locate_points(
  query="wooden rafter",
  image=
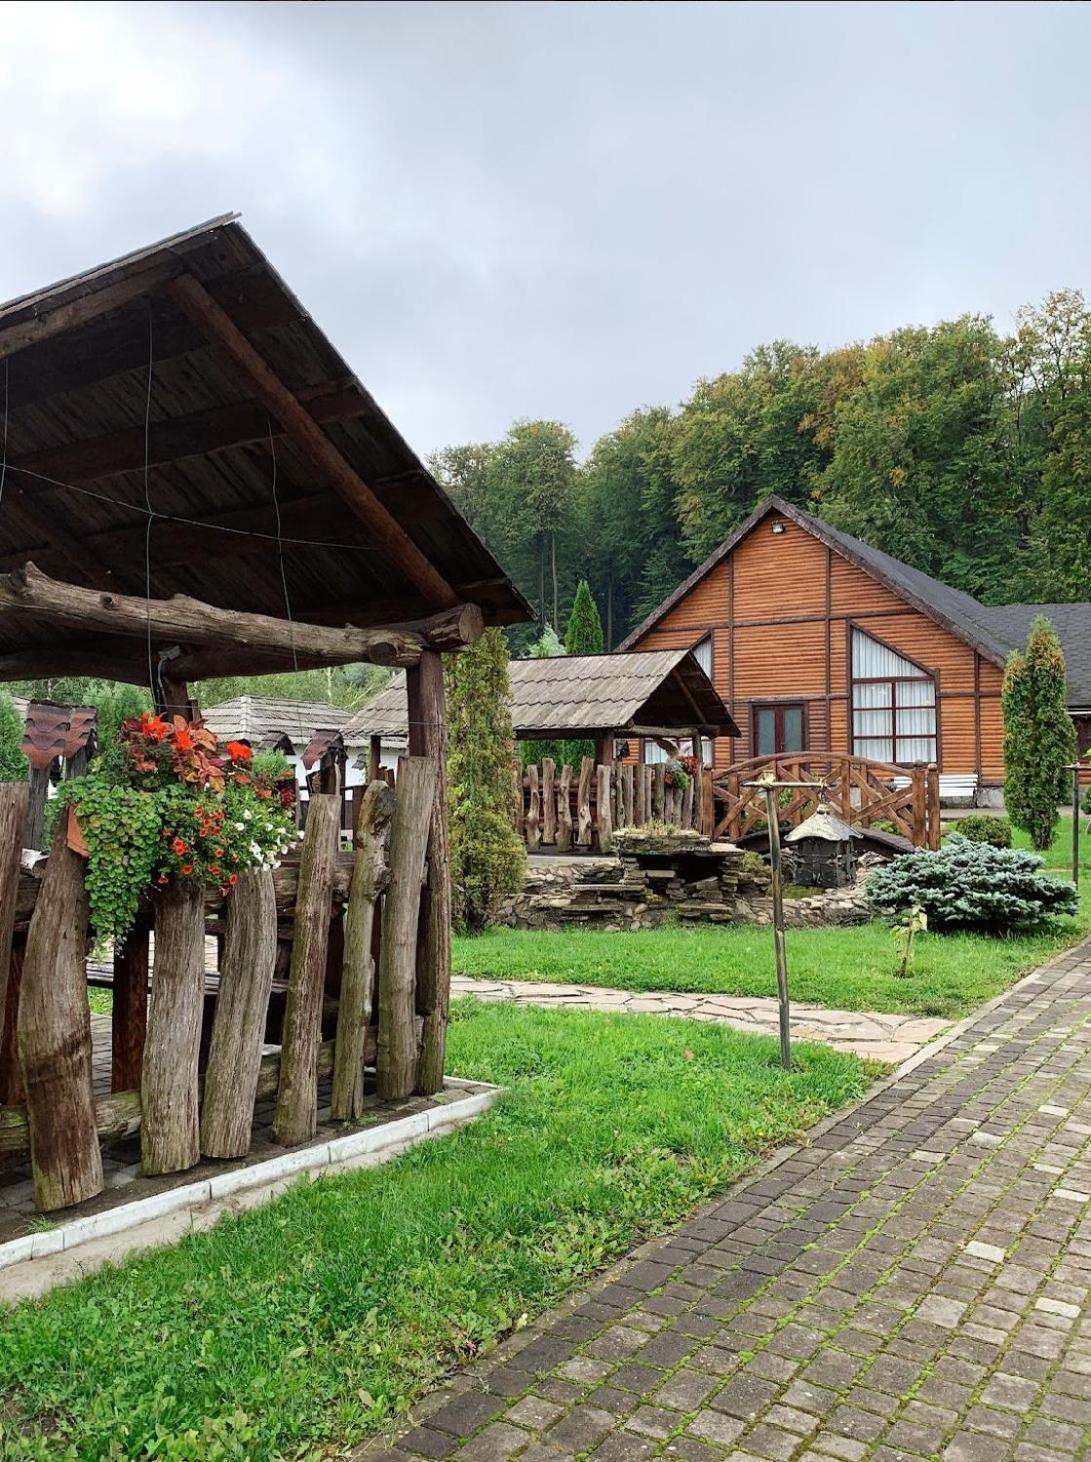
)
(190, 621)
(309, 438)
(71, 314)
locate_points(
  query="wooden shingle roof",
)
(658, 691)
(267, 721)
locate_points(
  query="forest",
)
(962, 450)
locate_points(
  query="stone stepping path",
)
(914, 1282)
(888, 1038)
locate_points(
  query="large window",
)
(893, 704)
(778, 728)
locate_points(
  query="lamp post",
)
(1075, 769)
(770, 786)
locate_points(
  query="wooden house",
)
(819, 642)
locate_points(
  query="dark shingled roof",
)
(995, 630)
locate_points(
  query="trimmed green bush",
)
(969, 885)
(996, 831)
(1039, 737)
(13, 764)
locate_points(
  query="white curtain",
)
(893, 704)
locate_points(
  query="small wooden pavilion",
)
(196, 484)
(614, 700)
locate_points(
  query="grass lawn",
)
(297, 1329)
(844, 969)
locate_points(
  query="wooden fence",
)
(562, 808)
(337, 931)
(863, 793)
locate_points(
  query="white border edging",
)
(392, 1136)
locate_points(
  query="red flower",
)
(187, 869)
(183, 740)
(214, 869)
(217, 852)
(238, 751)
(179, 847)
(232, 879)
(162, 878)
(153, 726)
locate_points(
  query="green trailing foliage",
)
(969, 885)
(1039, 737)
(488, 859)
(13, 764)
(979, 829)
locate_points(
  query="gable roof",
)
(656, 690)
(992, 630)
(118, 365)
(265, 721)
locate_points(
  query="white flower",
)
(240, 827)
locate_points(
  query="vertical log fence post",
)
(534, 836)
(129, 1012)
(169, 1129)
(369, 876)
(14, 800)
(659, 791)
(564, 810)
(583, 803)
(640, 798)
(428, 738)
(708, 802)
(296, 1116)
(246, 981)
(549, 801)
(54, 1038)
(605, 819)
(396, 1061)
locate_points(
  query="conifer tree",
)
(13, 764)
(488, 859)
(1039, 738)
(583, 633)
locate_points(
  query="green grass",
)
(1059, 856)
(301, 1327)
(843, 969)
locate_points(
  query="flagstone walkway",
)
(889, 1038)
(914, 1283)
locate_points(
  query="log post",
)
(687, 805)
(584, 824)
(14, 800)
(38, 786)
(396, 1065)
(919, 804)
(374, 757)
(934, 824)
(296, 1118)
(659, 791)
(169, 1140)
(640, 800)
(605, 820)
(369, 878)
(54, 1038)
(549, 801)
(534, 836)
(11, 1082)
(246, 979)
(428, 708)
(517, 791)
(129, 1015)
(564, 810)
(708, 803)
(628, 773)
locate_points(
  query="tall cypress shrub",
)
(1039, 738)
(582, 636)
(13, 764)
(488, 859)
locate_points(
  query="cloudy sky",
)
(568, 210)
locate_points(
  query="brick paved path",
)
(913, 1284)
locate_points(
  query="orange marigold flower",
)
(238, 751)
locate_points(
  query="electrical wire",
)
(4, 450)
(152, 677)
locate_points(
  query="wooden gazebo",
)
(196, 484)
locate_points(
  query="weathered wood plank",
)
(396, 1069)
(354, 1011)
(533, 821)
(129, 1012)
(564, 810)
(238, 1028)
(584, 824)
(54, 1038)
(296, 1116)
(169, 1135)
(428, 738)
(549, 801)
(14, 800)
(603, 809)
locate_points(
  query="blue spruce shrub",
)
(968, 885)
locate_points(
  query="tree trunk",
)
(169, 1139)
(54, 1038)
(427, 695)
(296, 1117)
(396, 1068)
(605, 820)
(549, 801)
(11, 1081)
(246, 979)
(354, 1012)
(533, 825)
(583, 803)
(564, 810)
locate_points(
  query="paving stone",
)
(465, 1413)
(714, 1426)
(581, 1428)
(497, 1443)
(744, 1396)
(422, 1441)
(535, 1413)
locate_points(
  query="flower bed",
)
(168, 804)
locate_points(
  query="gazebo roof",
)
(267, 721)
(656, 692)
(187, 378)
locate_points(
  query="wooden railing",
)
(863, 793)
(565, 808)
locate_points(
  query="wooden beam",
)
(80, 311)
(311, 440)
(191, 621)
